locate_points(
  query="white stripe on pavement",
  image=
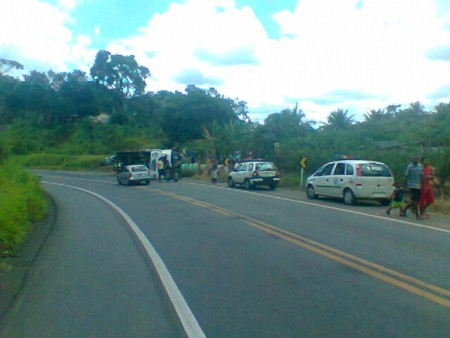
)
(187, 318)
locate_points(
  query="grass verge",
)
(22, 203)
(62, 162)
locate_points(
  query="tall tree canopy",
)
(120, 72)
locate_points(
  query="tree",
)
(190, 116)
(119, 72)
(8, 65)
(80, 98)
(241, 110)
(438, 131)
(33, 98)
(8, 85)
(288, 129)
(339, 119)
(375, 115)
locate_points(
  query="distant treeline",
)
(109, 110)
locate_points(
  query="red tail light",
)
(255, 173)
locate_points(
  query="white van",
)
(352, 180)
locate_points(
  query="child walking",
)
(396, 200)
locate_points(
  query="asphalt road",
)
(246, 264)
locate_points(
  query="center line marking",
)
(380, 272)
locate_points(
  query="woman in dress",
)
(426, 193)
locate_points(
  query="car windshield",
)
(375, 169)
(139, 168)
(265, 166)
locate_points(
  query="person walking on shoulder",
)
(426, 192)
(413, 178)
(396, 200)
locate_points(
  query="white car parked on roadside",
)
(133, 174)
(352, 180)
(251, 173)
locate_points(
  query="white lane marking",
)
(427, 227)
(187, 318)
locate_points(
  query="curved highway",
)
(193, 259)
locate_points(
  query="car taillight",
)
(255, 173)
(129, 175)
(277, 173)
(358, 170)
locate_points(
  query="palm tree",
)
(339, 119)
(375, 115)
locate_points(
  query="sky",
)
(355, 55)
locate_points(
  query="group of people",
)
(418, 179)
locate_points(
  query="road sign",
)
(303, 161)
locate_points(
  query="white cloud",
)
(68, 4)
(40, 39)
(349, 54)
(378, 48)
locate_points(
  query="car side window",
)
(244, 167)
(250, 167)
(327, 169)
(349, 169)
(340, 169)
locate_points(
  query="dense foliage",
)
(109, 110)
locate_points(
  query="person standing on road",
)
(426, 192)
(161, 171)
(413, 180)
(214, 169)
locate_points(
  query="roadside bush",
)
(22, 202)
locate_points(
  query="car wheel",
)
(128, 182)
(349, 197)
(272, 186)
(247, 185)
(147, 182)
(310, 192)
(118, 181)
(230, 182)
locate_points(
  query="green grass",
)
(22, 203)
(291, 181)
(61, 162)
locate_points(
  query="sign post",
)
(301, 177)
